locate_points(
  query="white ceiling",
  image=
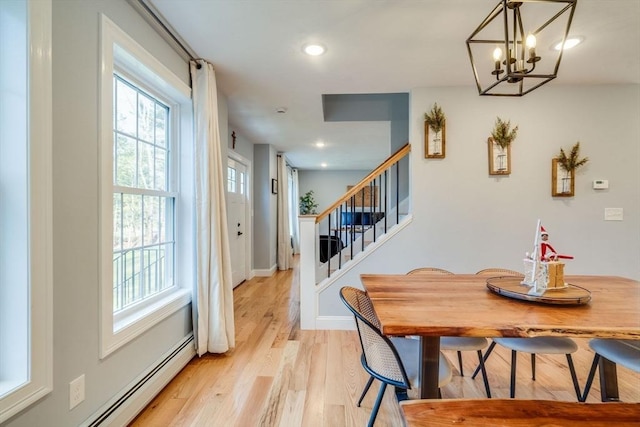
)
(373, 47)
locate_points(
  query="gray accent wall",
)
(465, 220)
(392, 107)
(76, 48)
(264, 207)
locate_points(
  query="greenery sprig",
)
(308, 204)
(573, 160)
(502, 133)
(435, 118)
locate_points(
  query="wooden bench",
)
(517, 412)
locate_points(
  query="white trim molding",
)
(39, 307)
(265, 272)
(119, 50)
(336, 323)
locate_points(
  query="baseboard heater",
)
(125, 406)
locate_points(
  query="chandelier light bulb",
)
(531, 41)
(497, 54)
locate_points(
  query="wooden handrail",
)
(395, 157)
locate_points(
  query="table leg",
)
(608, 380)
(429, 367)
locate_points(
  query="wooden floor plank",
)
(275, 402)
(293, 409)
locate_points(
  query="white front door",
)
(237, 220)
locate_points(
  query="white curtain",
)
(213, 306)
(294, 210)
(285, 253)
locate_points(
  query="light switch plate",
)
(613, 214)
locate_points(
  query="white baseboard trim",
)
(266, 273)
(124, 406)
(336, 323)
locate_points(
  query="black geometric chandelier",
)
(511, 50)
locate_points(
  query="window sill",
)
(131, 326)
(16, 397)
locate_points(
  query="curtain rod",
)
(197, 61)
(164, 29)
(286, 161)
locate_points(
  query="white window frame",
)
(119, 52)
(173, 135)
(39, 309)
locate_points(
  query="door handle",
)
(239, 233)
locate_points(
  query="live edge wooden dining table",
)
(432, 306)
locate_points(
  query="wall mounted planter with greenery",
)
(499, 146)
(435, 133)
(563, 172)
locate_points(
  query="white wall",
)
(76, 36)
(265, 210)
(466, 220)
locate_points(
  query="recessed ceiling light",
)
(324, 165)
(314, 49)
(319, 144)
(569, 43)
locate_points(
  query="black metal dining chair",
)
(392, 361)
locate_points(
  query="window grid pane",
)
(143, 257)
(141, 129)
(143, 242)
(231, 179)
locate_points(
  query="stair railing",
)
(381, 216)
(361, 215)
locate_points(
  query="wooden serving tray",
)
(510, 287)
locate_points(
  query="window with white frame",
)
(146, 193)
(143, 200)
(26, 346)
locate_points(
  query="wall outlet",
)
(76, 391)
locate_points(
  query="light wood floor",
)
(279, 375)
